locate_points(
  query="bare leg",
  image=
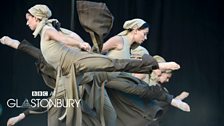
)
(12, 121)
(5, 40)
(182, 96)
(181, 105)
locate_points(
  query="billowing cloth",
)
(96, 19)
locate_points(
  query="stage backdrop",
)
(189, 32)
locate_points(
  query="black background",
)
(189, 32)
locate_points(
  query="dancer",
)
(118, 47)
(156, 77)
(135, 32)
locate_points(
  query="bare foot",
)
(180, 105)
(182, 96)
(12, 121)
(5, 40)
(169, 66)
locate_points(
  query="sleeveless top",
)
(51, 50)
(124, 53)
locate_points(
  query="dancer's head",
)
(36, 14)
(139, 30)
(138, 52)
(161, 76)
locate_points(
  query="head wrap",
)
(132, 24)
(153, 76)
(160, 59)
(40, 11)
(138, 52)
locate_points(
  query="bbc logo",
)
(39, 93)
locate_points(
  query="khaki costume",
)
(71, 63)
(128, 106)
(91, 83)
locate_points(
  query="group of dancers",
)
(121, 88)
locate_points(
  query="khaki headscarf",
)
(40, 11)
(132, 24)
(160, 59)
(153, 76)
(139, 52)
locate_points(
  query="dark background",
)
(189, 32)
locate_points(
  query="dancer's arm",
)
(52, 34)
(115, 42)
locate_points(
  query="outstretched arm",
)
(115, 42)
(73, 40)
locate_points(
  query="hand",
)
(12, 121)
(5, 40)
(85, 46)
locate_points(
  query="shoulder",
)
(48, 30)
(116, 40)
